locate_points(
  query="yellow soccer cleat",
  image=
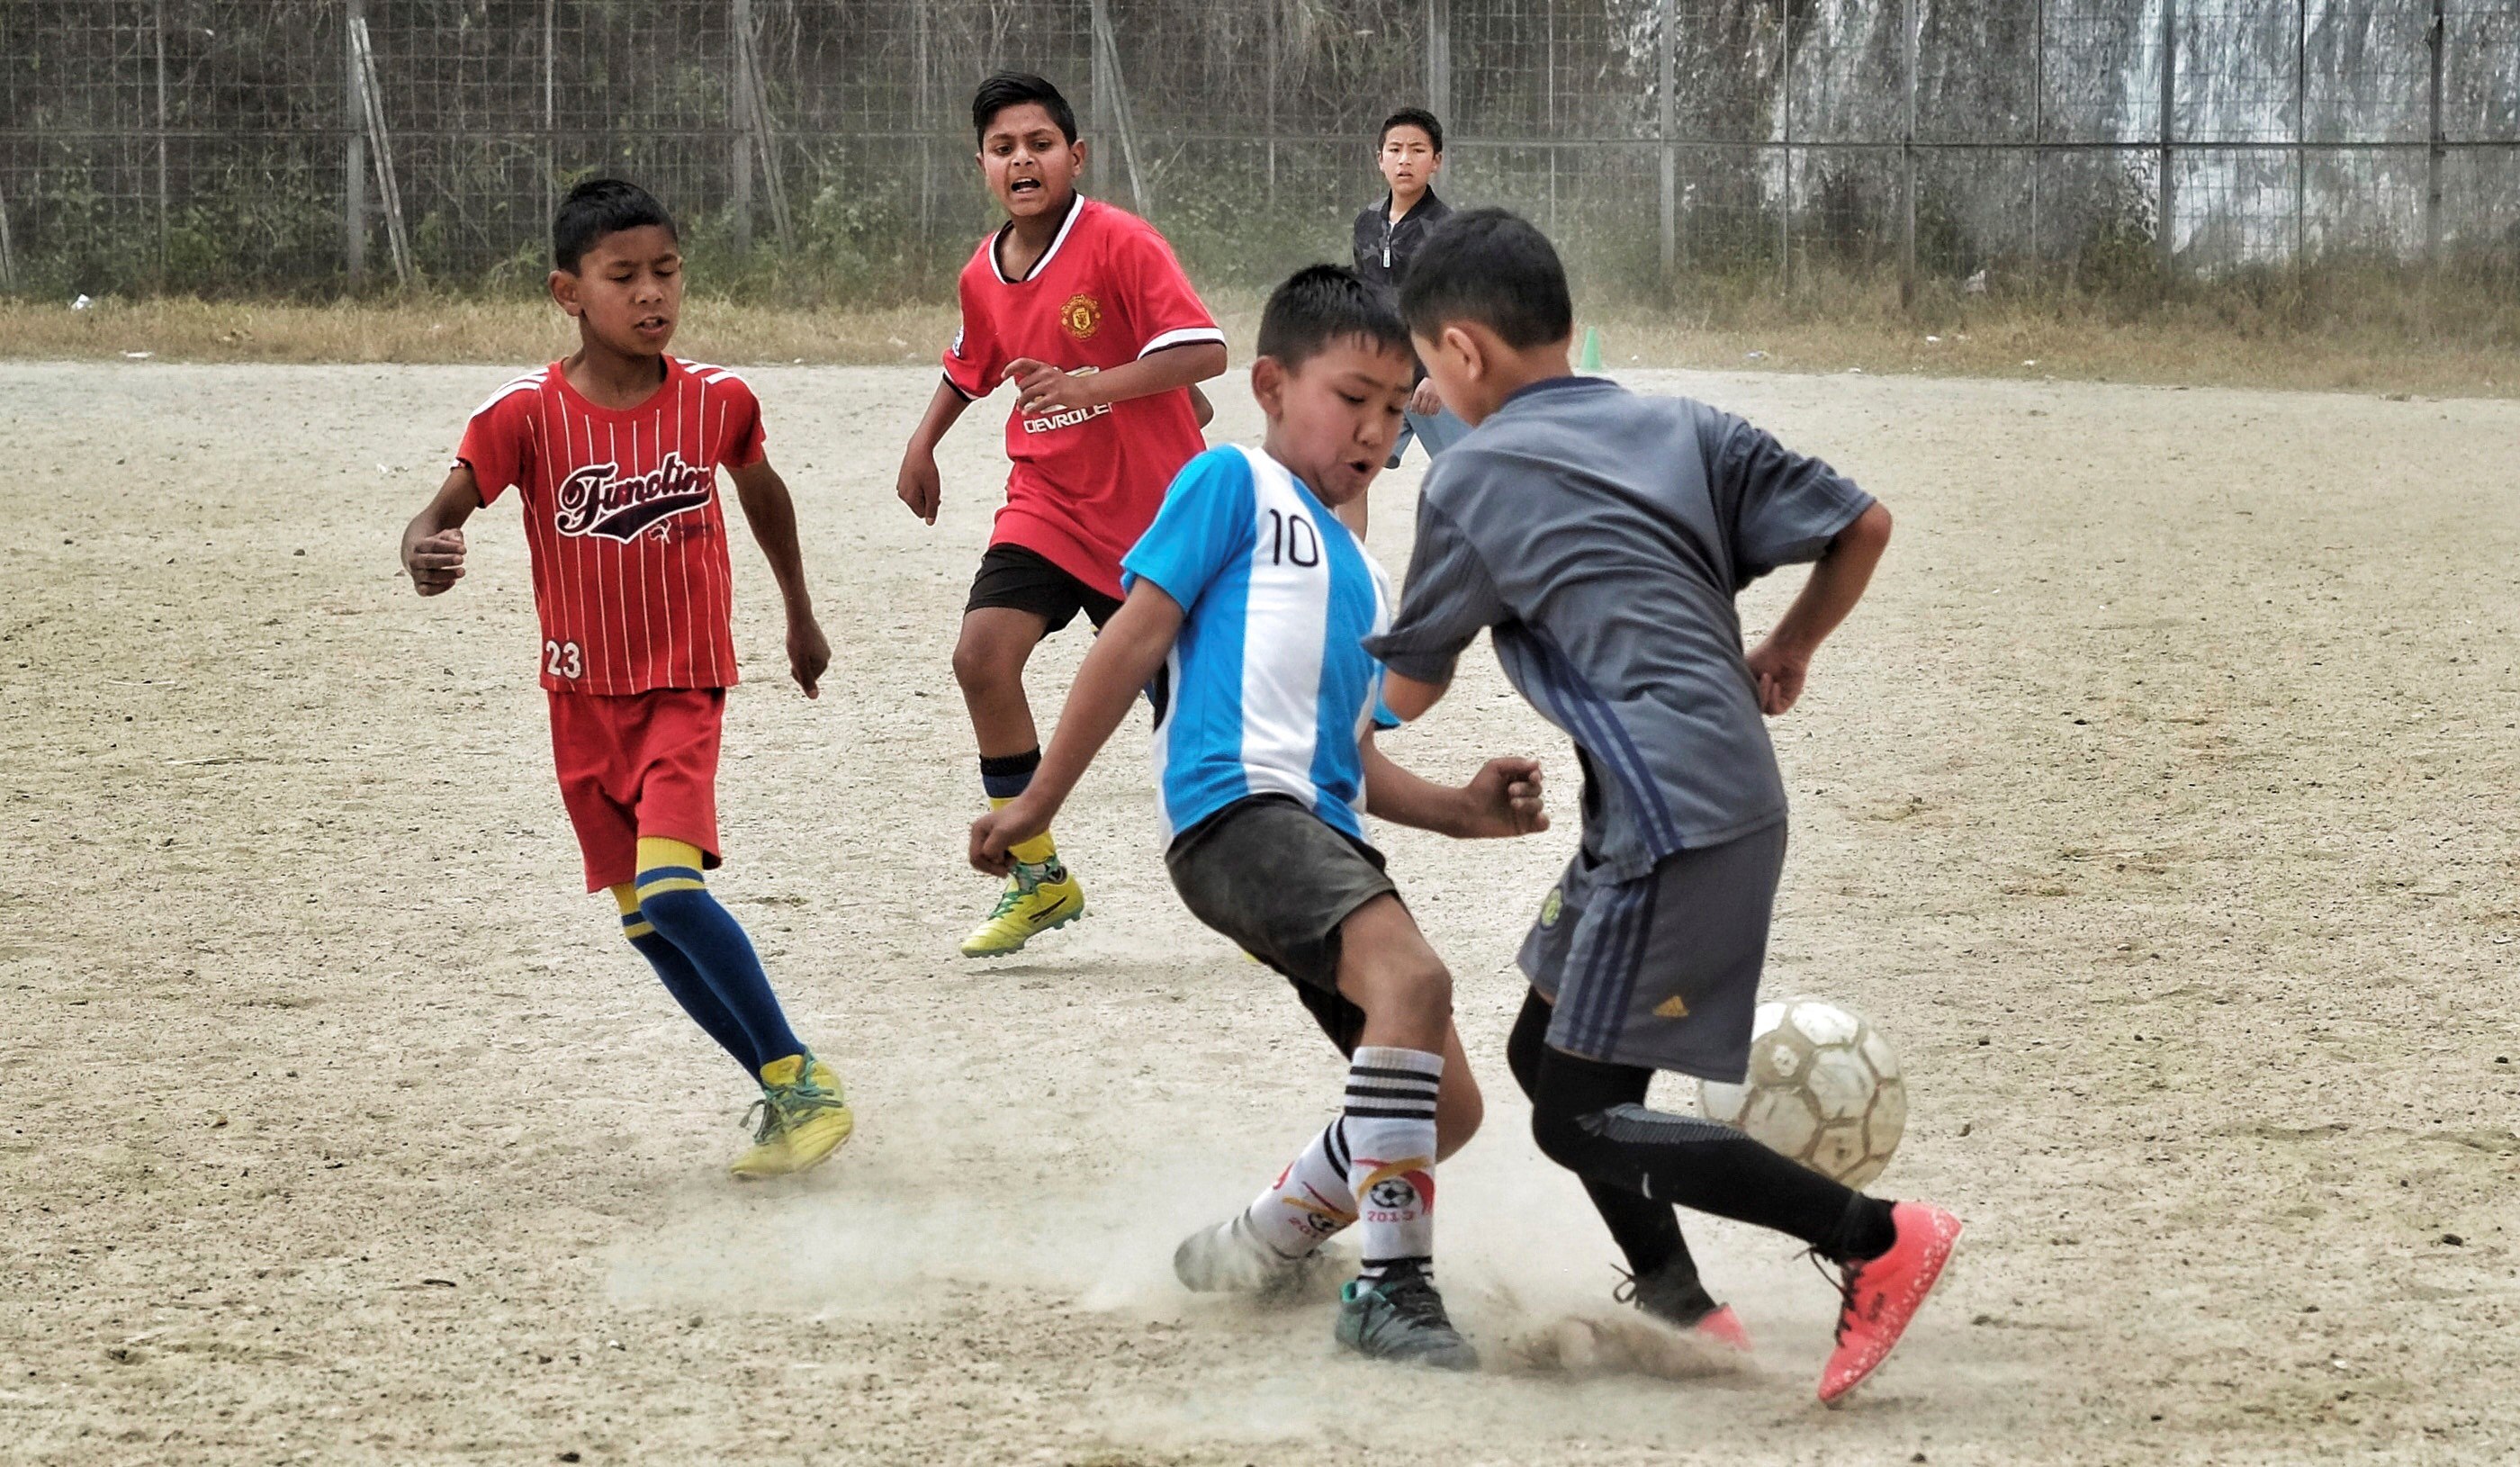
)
(1037, 900)
(806, 1116)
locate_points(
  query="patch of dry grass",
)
(2391, 338)
(2343, 330)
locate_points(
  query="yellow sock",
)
(1038, 851)
(666, 864)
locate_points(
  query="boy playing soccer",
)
(1084, 308)
(615, 453)
(1604, 536)
(1246, 608)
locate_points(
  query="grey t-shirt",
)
(1604, 536)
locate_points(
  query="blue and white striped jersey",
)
(1269, 688)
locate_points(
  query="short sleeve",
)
(972, 362)
(742, 441)
(1451, 597)
(1780, 508)
(1162, 308)
(1206, 524)
(499, 442)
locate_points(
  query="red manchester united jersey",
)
(1085, 483)
(622, 519)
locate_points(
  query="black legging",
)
(1637, 1164)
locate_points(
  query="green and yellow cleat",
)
(804, 1118)
(1038, 899)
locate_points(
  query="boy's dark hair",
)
(1006, 89)
(1413, 116)
(1320, 304)
(1490, 266)
(601, 206)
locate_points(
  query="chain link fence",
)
(315, 146)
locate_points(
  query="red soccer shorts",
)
(645, 763)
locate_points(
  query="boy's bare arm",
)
(1041, 388)
(433, 544)
(1782, 660)
(918, 483)
(772, 513)
(1124, 659)
(1409, 697)
(1503, 798)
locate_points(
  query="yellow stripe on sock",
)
(664, 853)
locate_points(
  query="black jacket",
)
(1383, 248)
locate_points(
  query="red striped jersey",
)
(1084, 484)
(623, 521)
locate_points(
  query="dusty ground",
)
(2160, 804)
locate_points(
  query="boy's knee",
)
(1415, 983)
(984, 661)
(1557, 1133)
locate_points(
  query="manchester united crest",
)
(1082, 316)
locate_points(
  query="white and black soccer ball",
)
(1823, 1088)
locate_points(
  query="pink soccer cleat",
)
(1882, 1294)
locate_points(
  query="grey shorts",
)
(1278, 880)
(1661, 971)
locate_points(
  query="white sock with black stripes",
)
(1308, 1202)
(1390, 1132)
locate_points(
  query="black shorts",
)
(1011, 575)
(1278, 880)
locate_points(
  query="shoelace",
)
(1625, 1290)
(1026, 879)
(1844, 1282)
(1415, 1298)
(805, 1096)
(789, 1103)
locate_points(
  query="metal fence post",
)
(355, 151)
(923, 107)
(2434, 155)
(1670, 178)
(1786, 199)
(2300, 132)
(739, 118)
(1269, 103)
(550, 102)
(162, 137)
(1908, 156)
(1439, 59)
(1098, 111)
(2039, 125)
(2166, 235)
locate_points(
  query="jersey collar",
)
(1552, 384)
(1075, 208)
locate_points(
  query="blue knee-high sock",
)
(683, 914)
(690, 990)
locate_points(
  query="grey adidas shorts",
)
(1278, 880)
(1661, 971)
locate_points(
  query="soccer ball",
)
(1823, 1088)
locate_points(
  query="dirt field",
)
(2160, 803)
